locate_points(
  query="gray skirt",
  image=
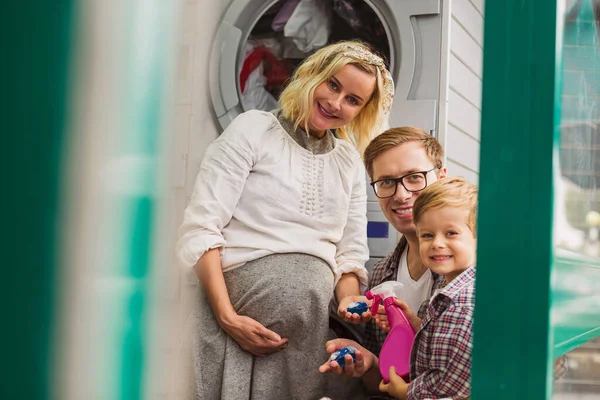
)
(289, 294)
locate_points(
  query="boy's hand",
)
(397, 388)
(354, 318)
(409, 314)
(364, 359)
(381, 319)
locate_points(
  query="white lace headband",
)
(386, 84)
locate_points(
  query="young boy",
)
(440, 365)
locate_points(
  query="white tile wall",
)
(467, 15)
(463, 130)
(455, 169)
(465, 48)
(464, 81)
(463, 149)
(478, 5)
(463, 114)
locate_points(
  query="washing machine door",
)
(227, 56)
(413, 29)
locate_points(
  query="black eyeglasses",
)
(413, 182)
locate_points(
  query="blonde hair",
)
(297, 98)
(448, 192)
(395, 137)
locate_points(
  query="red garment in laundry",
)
(274, 68)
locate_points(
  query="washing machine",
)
(407, 33)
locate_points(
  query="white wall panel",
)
(455, 169)
(463, 149)
(479, 5)
(465, 70)
(463, 115)
(465, 48)
(465, 82)
(467, 15)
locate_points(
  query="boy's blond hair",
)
(448, 192)
(297, 98)
(395, 137)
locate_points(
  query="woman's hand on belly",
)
(253, 336)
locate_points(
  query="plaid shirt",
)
(383, 271)
(440, 360)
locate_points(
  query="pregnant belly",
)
(287, 293)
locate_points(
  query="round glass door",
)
(291, 30)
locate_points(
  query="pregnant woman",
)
(277, 225)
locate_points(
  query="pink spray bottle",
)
(398, 343)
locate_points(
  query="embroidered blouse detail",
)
(260, 192)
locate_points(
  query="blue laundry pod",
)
(358, 307)
(338, 356)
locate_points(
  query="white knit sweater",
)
(258, 193)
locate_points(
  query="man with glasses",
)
(401, 162)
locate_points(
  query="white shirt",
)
(414, 292)
(258, 193)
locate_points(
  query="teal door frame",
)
(512, 349)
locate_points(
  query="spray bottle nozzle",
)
(381, 292)
(376, 301)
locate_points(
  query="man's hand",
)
(397, 388)
(364, 359)
(354, 318)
